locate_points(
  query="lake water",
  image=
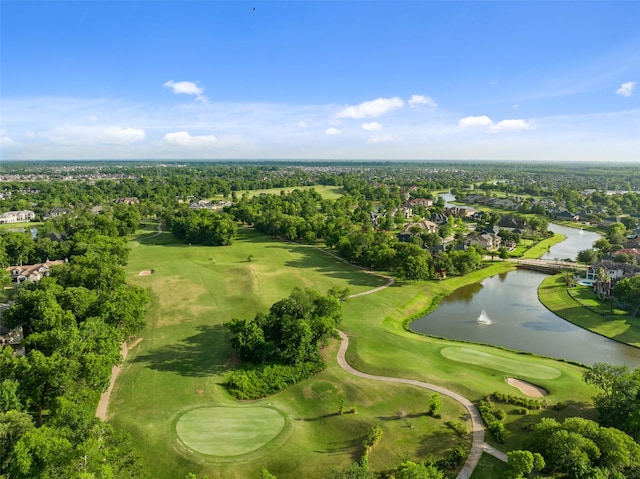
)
(514, 317)
(577, 240)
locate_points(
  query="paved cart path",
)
(478, 446)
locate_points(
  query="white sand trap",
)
(146, 272)
(527, 388)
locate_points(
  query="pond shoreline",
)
(545, 300)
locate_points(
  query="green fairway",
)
(500, 363)
(327, 192)
(179, 369)
(229, 431)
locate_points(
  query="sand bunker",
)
(146, 272)
(527, 388)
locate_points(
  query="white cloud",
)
(626, 89)
(516, 106)
(511, 125)
(503, 125)
(471, 121)
(373, 126)
(381, 139)
(187, 88)
(184, 139)
(123, 136)
(95, 134)
(6, 141)
(420, 100)
(372, 108)
(332, 131)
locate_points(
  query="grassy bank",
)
(580, 306)
(543, 246)
(184, 359)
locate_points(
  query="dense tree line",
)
(73, 323)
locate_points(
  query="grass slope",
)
(580, 306)
(184, 359)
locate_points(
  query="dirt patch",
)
(146, 272)
(527, 388)
(135, 343)
(200, 391)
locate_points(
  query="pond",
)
(514, 317)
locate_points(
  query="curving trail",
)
(478, 446)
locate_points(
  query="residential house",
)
(32, 272)
(615, 271)
(55, 212)
(127, 201)
(504, 203)
(406, 211)
(564, 214)
(488, 241)
(439, 218)
(375, 218)
(420, 202)
(202, 205)
(17, 216)
(428, 226)
(510, 223)
(11, 337)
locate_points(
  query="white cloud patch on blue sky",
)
(626, 89)
(187, 88)
(562, 88)
(372, 108)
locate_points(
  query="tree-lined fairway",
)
(327, 192)
(184, 360)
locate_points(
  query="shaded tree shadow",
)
(329, 266)
(202, 354)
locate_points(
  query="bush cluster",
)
(532, 404)
(269, 379)
(493, 418)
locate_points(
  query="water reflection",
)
(519, 321)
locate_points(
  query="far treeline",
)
(75, 320)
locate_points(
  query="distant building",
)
(127, 201)
(17, 216)
(11, 337)
(55, 212)
(32, 272)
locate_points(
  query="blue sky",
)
(504, 80)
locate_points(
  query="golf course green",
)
(170, 395)
(229, 431)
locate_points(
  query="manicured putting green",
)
(499, 363)
(229, 431)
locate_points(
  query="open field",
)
(184, 359)
(327, 192)
(27, 225)
(580, 306)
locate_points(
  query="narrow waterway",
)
(514, 317)
(577, 240)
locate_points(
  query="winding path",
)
(478, 446)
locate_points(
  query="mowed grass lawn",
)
(327, 192)
(580, 306)
(184, 359)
